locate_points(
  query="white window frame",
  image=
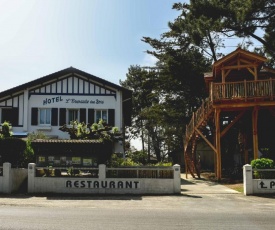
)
(101, 110)
(68, 116)
(45, 116)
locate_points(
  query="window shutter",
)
(111, 117)
(54, 120)
(62, 116)
(83, 115)
(34, 117)
(91, 116)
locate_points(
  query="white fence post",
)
(31, 177)
(177, 182)
(102, 172)
(7, 178)
(247, 180)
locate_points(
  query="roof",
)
(56, 75)
(240, 54)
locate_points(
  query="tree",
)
(142, 83)
(164, 100)
(97, 131)
(204, 23)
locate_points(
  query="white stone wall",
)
(12, 179)
(103, 185)
(256, 186)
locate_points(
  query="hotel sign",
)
(52, 100)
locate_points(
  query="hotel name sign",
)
(52, 100)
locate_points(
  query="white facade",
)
(49, 102)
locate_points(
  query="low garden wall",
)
(11, 179)
(258, 186)
(134, 180)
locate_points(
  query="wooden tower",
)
(239, 84)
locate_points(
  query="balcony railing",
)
(245, 90)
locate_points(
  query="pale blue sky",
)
(101, 37)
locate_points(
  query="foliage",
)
(36, 135)
(166, 164)
(263, 163)
(129, 162)
(6, 130)
(205, 24)
(28, 154)
(135, 158)
(97, 131)
(164, 99)
(118, 160)
(139, 157)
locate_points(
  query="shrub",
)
(263, 163)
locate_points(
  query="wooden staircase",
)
(194, 131)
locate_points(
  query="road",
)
(185, 211)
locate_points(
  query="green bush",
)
(263, 163)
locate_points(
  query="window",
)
(73, 115)
(45, 116)
(101, 114)
(10, 115)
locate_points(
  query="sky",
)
(101, 37)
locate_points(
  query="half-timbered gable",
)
(49, 102)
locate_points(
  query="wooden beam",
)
(227, 128)
(251, 71)
(207, 141)
(226, 73)
(241, 66)
(255, 113)
(218, 143)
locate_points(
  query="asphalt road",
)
(200, 206)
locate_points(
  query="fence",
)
(264, 185)
(131, 180)
(11, 179)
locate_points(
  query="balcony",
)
(242, 91)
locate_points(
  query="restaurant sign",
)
(94, 184)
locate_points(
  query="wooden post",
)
(218, 143)
(270, 89)
(245, 90)
(211, 91)
(255, 131)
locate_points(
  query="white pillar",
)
(7, 178)
(102, 172)
(177, 179)
(31, 177)
(247, 180)
(25, 110)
